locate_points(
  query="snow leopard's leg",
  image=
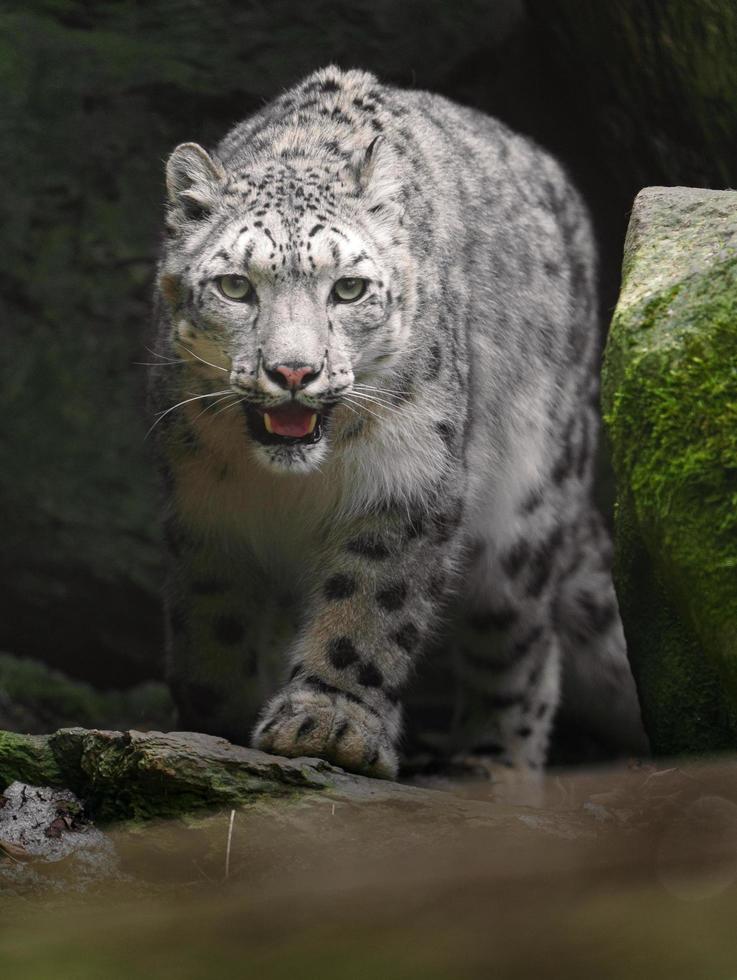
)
(596, 671)
(224, 654)
(508, 649)
(381, 582)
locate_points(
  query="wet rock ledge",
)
(124, 775)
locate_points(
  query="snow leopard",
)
(375, 398)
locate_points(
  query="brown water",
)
(618, 874)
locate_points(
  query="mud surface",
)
(622, 873)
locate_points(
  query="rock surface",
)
(670, 400)
(123, 775)
(42, 827)
(146, 774)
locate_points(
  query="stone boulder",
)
(46, 843)
(670, 403)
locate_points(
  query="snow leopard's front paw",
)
(302, 721)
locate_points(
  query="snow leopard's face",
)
(280, 284)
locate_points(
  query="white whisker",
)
(384, 410)
(346, 405)
(362, 384)
(208, 394)
(164, 357)
(218, 367)
(229, 405)
(385, 391)
(212, 405)
(372, 395)
(347, 400)
(157, 363)
(372, 399)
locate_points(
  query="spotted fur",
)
(449, 493)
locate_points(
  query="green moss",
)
(29, 759)
(123, 785)
(139, 776)
(670, 398)
(682, 697)
(673, 422)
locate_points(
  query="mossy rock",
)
(142, 775)
(670, 402)
(122, 775)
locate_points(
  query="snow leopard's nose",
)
(293, 376)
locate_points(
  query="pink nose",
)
(292, 377)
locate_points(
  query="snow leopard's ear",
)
(376, 173)
(193, 181)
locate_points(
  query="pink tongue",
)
(292, 420)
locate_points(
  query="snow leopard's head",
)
(286, 274)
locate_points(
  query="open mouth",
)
(286, 425)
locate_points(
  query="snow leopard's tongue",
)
(294, 421)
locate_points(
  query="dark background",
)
(95, 95)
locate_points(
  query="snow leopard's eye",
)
(235, 287)
(349, 290)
